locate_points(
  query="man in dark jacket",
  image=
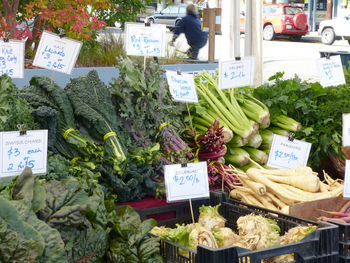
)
(190, 25)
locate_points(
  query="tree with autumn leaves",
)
(78, 19)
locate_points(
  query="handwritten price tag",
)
(236, 73)
(182, 87)
(331, 71)
(144, 40)
(58, 54)
(346, 129)
(19, 151)
(12, 58)
(286, 154)
(188, 182)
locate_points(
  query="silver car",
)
(169, 16)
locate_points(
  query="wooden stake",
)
(190, 200)
(144, 63)
(52, 76)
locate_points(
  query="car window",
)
(174, 9)
(182, 10)
(291, 10)
(270, 9)
(166, 10)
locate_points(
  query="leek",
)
(255, 141)
(254, 109)
(267, 137)
(279, 131)
(286, 123)
(230, 113)
(237, 156)
(257, 155)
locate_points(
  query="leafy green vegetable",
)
(93, 108)
(13, 110)
(130, 240)
(318, 109)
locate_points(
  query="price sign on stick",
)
(331, 71)
(182, 87)
(188, 182)
(148, 41)
(286, 153)
(236, 73)
(346, 129)
(57, 53)
(12, 58)
(18, 151)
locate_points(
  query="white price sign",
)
(346, 129)
(236, 73)
(286, 154)
(331, 71)
(12, 58)
(346, 193)
(188, 182)
(56, 53)
(144, 40)
(182, 87)
(19, 151)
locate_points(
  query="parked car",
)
(149, 10)
(335, 29)
(170, 15)
(281, 20)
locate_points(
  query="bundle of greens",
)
(54, 112)
(13, 109)
(94, 110)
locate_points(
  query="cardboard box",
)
(312, 210)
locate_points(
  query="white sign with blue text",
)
(286, 153)
(331, 71)
(346, 129)
(146, 41)
(346, 193)
(182, 87)
(12, 58)
(236, 73)
(18, 151)
(57, 53)
(187, 182)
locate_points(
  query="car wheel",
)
(328, 36)
(176, 23)
(349, 41)
(150, 20)
(295, 38)
(268, 33)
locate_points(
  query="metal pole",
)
(309, 13)
(314, 16)
(257, 40)
(211, 49)
(248, 29)
(236, 28)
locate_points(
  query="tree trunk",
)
(10, 15)
(329, 9)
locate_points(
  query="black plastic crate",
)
(344, 242)
(321, 246)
